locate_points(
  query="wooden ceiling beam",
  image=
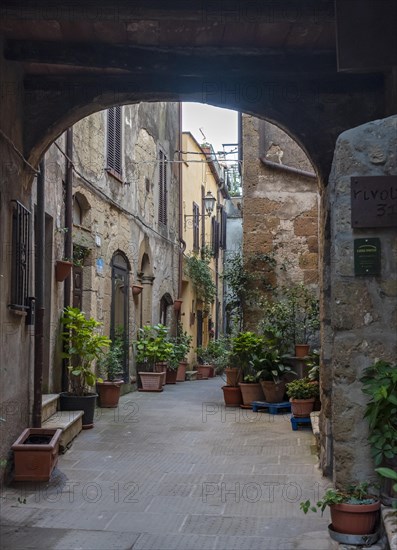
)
(221, 11)
(190, 61)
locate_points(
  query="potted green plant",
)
(152, 348)
(272, 369)
(183, 342)
(353, 510)
(84, 345)
(245, 347)
(302, 394)
(389, 474)
(204, 365)
(111, 370)
(380, 384)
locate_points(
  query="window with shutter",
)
(215, 236)
(222, 238)
(196, 226)
(163, 191)
(114, 163)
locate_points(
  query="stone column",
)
(360, 312)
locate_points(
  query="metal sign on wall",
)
(367, 257)
(374, 201)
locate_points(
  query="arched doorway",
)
(119, 317)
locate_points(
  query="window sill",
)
(16, 310)
(115, 175)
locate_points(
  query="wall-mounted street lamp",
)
(209, 204)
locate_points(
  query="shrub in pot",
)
(178, 361)
(353, 510)
(152, 347)
(271, 370)
(84, 345)
(245, 347)
(111, 370)
(302, 394)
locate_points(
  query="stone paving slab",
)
(161, 472)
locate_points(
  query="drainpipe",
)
(39, 292)
(180, 225)
(68, 236)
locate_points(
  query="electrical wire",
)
(18, 152)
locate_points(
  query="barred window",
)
(21, 221)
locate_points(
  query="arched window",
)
(165, 303)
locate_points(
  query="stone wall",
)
(280, 207)
(360, 313)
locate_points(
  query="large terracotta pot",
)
(109, 393)
(62, 270)
(161, 367)
(251, 392)
(170, 377)
(301, 408)
(203, 371)
(232, 376)
(151, 381)
(355, 519)
(36, 454)
(181, 372)
(274, 393)
(232, 396)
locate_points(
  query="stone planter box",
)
(36, 454)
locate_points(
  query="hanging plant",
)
(199, 272)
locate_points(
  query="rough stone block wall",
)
(360, 313)
(280, 209)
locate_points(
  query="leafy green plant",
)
(302, 389)
(313, 363)
(380, 383)
(389, 474)
(354, 494)
(199, 272)
(181, 346)
(245, 347)
(153, 346)
(83, 346)
(111, 363)
(271, 365)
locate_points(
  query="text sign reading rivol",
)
(367, 257)
(374, 201)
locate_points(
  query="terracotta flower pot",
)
(355, 519)
(151, 381)
(161, 368)
(109, 393)
(203, 372)
(301, 408)
(36, 454)
(62, 270)
(274, 393)
(232, 396)
(250, 393)
(136, 289)
(181, 372)
(171, 375)
(302, 350)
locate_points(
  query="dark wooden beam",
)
(221, 11)
(188, 61)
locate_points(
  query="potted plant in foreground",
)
(152, 348)
(245, 347)
(111, 369)
(353, 510)
(83, 346)
(271, 371)
(302, 394)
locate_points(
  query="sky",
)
(218, 125)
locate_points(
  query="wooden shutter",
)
(196, 226)
(222, 239)
(163, 191)
(114, 145)
(215, 236)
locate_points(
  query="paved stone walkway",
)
(174, 470)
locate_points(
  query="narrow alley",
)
(174, 470)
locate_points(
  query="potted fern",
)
(84, 345)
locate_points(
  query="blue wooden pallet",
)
(300, 422)
(273, 408)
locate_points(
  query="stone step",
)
(70, 423)
(49, 405)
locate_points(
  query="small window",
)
(21, 220)
(77, 212)
(165, 309)
(163, 191)
(196, 226)
(114, 142)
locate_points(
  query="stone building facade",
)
(125, 224)
(280, 206)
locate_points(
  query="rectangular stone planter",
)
(152, 381)
(36, 454)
